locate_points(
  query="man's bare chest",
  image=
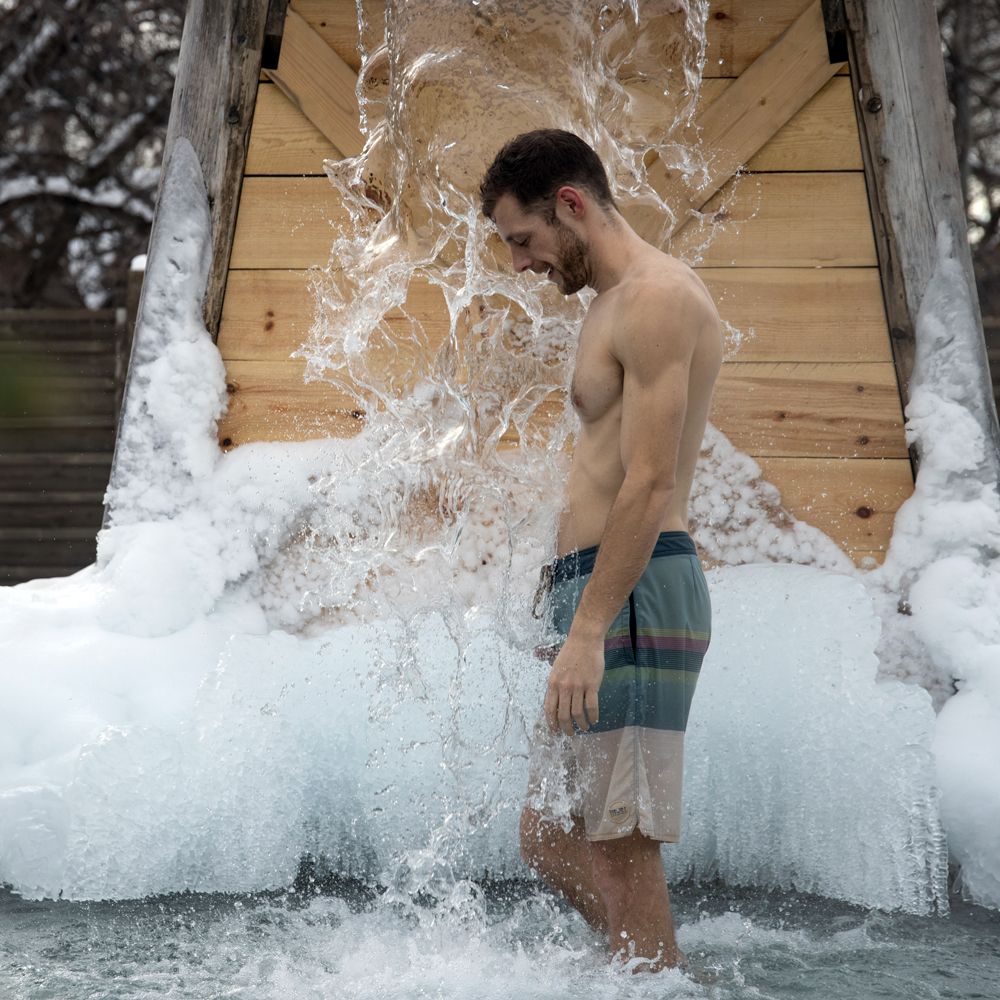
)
(596, 387)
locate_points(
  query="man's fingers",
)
(592, 706)
(563, 713)
(550, 706)
(576, 710)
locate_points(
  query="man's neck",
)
(614, 249)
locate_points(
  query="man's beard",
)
(573, 259)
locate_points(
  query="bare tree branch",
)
(85, 90)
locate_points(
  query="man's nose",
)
(521, 260)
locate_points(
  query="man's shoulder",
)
(664, 283)
(668, 298)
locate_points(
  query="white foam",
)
(398, 751)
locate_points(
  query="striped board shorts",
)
(626, 771)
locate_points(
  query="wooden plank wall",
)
(58, 412)
(811, 392)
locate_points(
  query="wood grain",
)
(286, 222)
(832, 314)
(268, 314)
(270, 401)
(759, 220)
(783, 220)
(811, 409)
(766, 409)
(755, 107)
(823, 135)
(319, 83)
(778, 314)
(336, 22)
(283, 140)
(854, 501)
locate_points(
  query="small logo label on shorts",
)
(619, 810)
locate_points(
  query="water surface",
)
(506, 940)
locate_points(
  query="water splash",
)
(458, 365)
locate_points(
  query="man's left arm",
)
(655, 353)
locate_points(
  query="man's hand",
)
(573, 682)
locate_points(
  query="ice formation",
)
(945, 562)
(802, 770)
(397, 750)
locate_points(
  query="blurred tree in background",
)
(970, 32)
(85, 89)
(85, 94)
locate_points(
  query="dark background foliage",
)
(85, 91)
(970, 32)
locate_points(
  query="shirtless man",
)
(628, 595)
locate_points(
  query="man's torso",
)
(597, 472)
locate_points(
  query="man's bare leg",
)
(629, 876)
(564, 862)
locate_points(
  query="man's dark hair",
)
(534, 165)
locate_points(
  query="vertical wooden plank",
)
(212, 108)
(912, 172)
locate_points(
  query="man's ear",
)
(571, 200)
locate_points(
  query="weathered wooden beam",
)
(212, 108)
(766, 96)
(320, 84)
(913, 181)
(211, 113)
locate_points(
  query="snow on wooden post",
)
(913, 180)
(214, 95)
(213, 102)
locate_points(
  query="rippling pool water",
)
(507, 941)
